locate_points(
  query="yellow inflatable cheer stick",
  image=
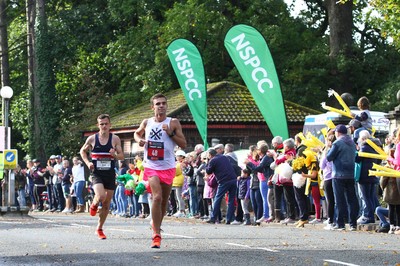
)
(381, 173)
(315, 140)
(376, 147)
(330, 124)
(383, 168)
(340, 100)
(301, 135)
(324, 131)
(372, 155)
(328, 108)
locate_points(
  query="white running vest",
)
(159, 150)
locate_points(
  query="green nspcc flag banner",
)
(251, 56)
(188, 66)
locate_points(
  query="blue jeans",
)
(193, 201)
(78, 189)
(368, 195)
(121, 200)
(231, 188)
(21, 197)
(134, 206)
(346, 201)
(256, 203)
(264, 197)
(58, 193)
(50, 196)
(382, 213)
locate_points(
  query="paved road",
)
(58, 239)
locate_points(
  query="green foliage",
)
(47, 112)
(389, 19)
(105, 56)
(388, 95)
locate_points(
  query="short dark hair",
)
(246, 171)
(156, 96)
(212, 152)
(104, 116)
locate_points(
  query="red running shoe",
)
(93, 210)
(156, 241)
(100, 234)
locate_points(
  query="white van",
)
(314, 123)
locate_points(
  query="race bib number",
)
(103, 164)
(155, 151)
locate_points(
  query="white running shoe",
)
(316, 221)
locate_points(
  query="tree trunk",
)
(32, 86)
(5, 70)
(340, 17)
(340, 26)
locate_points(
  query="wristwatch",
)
(172, 134)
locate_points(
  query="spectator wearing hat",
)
(219, 148)
(342, 154)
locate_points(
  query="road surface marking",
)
(250, 247)
(341, 263)
(189, 237)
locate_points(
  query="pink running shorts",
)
(165, 176)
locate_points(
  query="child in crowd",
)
(364, 117)
(313, 181)
(244, 194)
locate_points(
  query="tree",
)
(389, 19)
(44, 104)
(5, 68)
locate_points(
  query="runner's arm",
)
(140, 132)
(176, 134)
(84, 152)
(117, 151)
